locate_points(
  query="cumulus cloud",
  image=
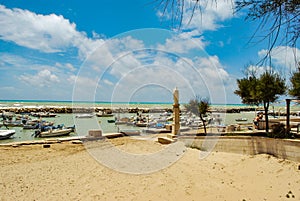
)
(203, 76)
(43, 78)
(207, 15)
(283, 56)
(183, 42)
(46, 33)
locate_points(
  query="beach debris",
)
(46, 145)
(76, 142)
(165, 140)
(290, 195)
(95, 133)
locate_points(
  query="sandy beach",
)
(67, 171)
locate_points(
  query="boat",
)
(43, 114)
(111, 121)
(54, 132)
(241, 119)
(5, 134)
(84, 115)
(104, 114)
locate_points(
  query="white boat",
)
(55, 132)
(241, 119)
(84, 115)
(5, 134)
(104, 114)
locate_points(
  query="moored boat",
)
(5, 134)
(84, 115)
(104, 114)
(54, 132)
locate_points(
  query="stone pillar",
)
(176, 117)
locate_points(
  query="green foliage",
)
(270, 86)
(198, 106)
(295, 81)
(247, 90)
(279, 131)
(264, 89)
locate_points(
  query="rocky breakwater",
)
(69, 110)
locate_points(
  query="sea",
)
(83, 125)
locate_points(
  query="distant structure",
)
(176, 118)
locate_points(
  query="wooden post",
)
(176, 117)
(288, 101)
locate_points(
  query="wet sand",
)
(67, 171)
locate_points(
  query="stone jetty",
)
(110, 110)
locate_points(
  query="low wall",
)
(281, 148)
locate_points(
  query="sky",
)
(126, 51)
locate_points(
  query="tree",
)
(199, 106)
(280, 19)
(263, 90)
(295, 81)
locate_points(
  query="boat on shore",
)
(5, 134)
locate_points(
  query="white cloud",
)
(43, 78)
(66, 66)
(46, 33)
(203, 76)
(183, 42)
(283, 56)
(206, 15)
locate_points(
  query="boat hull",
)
(56, 133)
(5, 134)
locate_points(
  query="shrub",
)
(279, 131)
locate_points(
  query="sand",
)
(67, 171)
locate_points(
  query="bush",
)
(279, 131)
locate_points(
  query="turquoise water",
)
(82, 126)
(41, 103)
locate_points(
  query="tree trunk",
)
(266, 107)
(203, 123)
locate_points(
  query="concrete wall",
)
(281, 148)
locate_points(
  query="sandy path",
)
(68, 172)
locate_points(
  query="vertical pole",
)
(176, 120)
(288, 101)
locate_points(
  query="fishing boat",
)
(54, 132)
(43, 114)
(104, 114)
(5, 134)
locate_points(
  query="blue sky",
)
(124, 51)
